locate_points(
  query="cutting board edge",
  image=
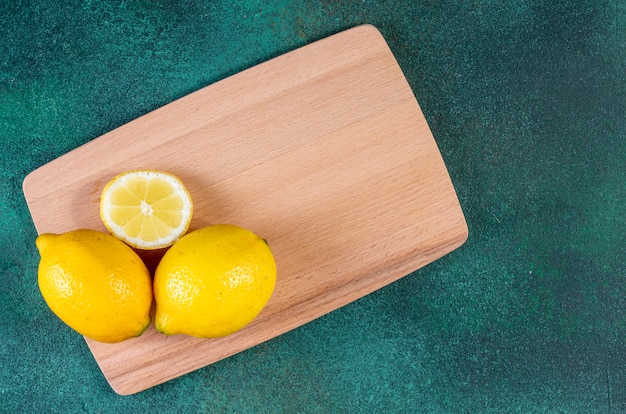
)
(398, 270)
(367, 28)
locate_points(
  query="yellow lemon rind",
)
(191, 283)
(82, 276)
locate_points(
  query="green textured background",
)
(527, 102)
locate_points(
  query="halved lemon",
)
(146, 209)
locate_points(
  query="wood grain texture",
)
(323, 151)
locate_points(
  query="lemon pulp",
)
(146, 209)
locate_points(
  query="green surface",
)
(527, 102)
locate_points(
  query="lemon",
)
(213, 282)
(95, 283)
(146, 209)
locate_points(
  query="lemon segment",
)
(95, 283)
(146, 209)
(213, 282)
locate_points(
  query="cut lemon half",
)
(146, 209)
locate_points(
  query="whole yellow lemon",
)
(95, 283)
(213, 282)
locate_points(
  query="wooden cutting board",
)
(323, 151)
